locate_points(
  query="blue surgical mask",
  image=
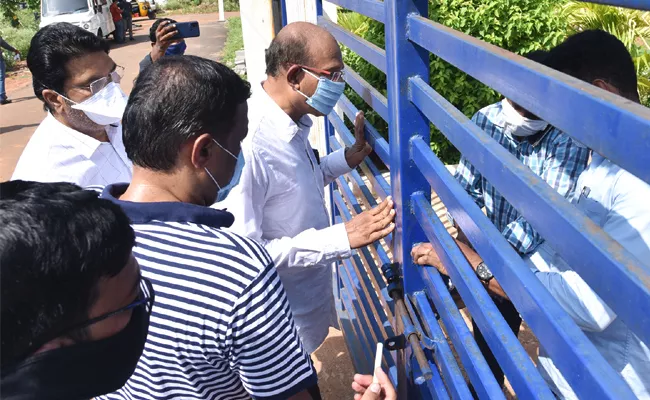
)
(327, 94)
(234, 181)
(177, 49)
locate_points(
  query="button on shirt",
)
(56, 153)
(617, 201)
(280, 202)
(551, 155)
(221, 327)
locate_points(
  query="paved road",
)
(19, 120)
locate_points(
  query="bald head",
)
(302, 43)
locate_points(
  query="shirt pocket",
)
(592, 208)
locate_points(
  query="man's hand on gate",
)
(164, 38)
(371, 225)
(360, 149)
(366, 390)
(424, 254)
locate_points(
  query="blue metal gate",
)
(616, 129)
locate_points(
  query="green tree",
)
(9, 8)
(520, 26)
(632, 27)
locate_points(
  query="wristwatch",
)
(484, 273)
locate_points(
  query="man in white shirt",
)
(611, 197)
(279, 200)
(80, 139)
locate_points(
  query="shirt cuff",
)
(338, 246)
(337, 164)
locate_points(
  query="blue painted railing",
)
(617, 129)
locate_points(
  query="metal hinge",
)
(413, 333)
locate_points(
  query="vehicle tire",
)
(100, 34)
(151, 15)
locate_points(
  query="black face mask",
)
(81, 371)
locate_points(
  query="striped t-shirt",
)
(221, 326)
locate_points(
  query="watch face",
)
(483, 272)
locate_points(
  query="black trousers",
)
(511, 315)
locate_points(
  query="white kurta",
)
(280, 203)
(56, 153)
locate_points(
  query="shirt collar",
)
(86, 145)
(141, 213)
(286, 128)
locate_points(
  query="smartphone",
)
(187, 30)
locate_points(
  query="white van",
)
(92, 15)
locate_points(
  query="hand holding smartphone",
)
(187, 30)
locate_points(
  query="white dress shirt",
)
(617, 201)
(57, 153)
(279, 202)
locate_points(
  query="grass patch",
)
(234, 41)
(199, 6)
(20, 37)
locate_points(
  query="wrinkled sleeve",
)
(247, 202)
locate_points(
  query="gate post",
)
(404, 60)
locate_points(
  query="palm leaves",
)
(632, 27)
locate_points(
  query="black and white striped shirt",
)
(221, 327)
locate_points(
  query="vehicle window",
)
(59, 7)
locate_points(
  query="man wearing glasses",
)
(75, 313)
(80, 139)
(280, 199)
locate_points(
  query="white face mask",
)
(105, 107)
(517, 125)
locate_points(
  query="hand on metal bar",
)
(367, 390)
(371, 225)
(360, 149)
(424, 254)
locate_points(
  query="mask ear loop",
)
(206, 169)
(212, 177)
(313, 75)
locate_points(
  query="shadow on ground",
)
(335, 370)
(11, 128)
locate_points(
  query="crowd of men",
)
(175, 243)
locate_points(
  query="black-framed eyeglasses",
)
(146, 300)
(96, 86)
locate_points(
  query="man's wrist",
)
(483, 272)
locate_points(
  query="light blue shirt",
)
(618, 202)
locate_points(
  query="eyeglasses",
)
(148, 296)
(146, 299)
(337, 76)
(96, 86)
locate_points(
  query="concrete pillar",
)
(257, 27)
(222, 13)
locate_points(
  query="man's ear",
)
(606, 86)
(202, 149)
(55, 101)
(294, 76)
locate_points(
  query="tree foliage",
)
(9, 8)
(520, 26)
